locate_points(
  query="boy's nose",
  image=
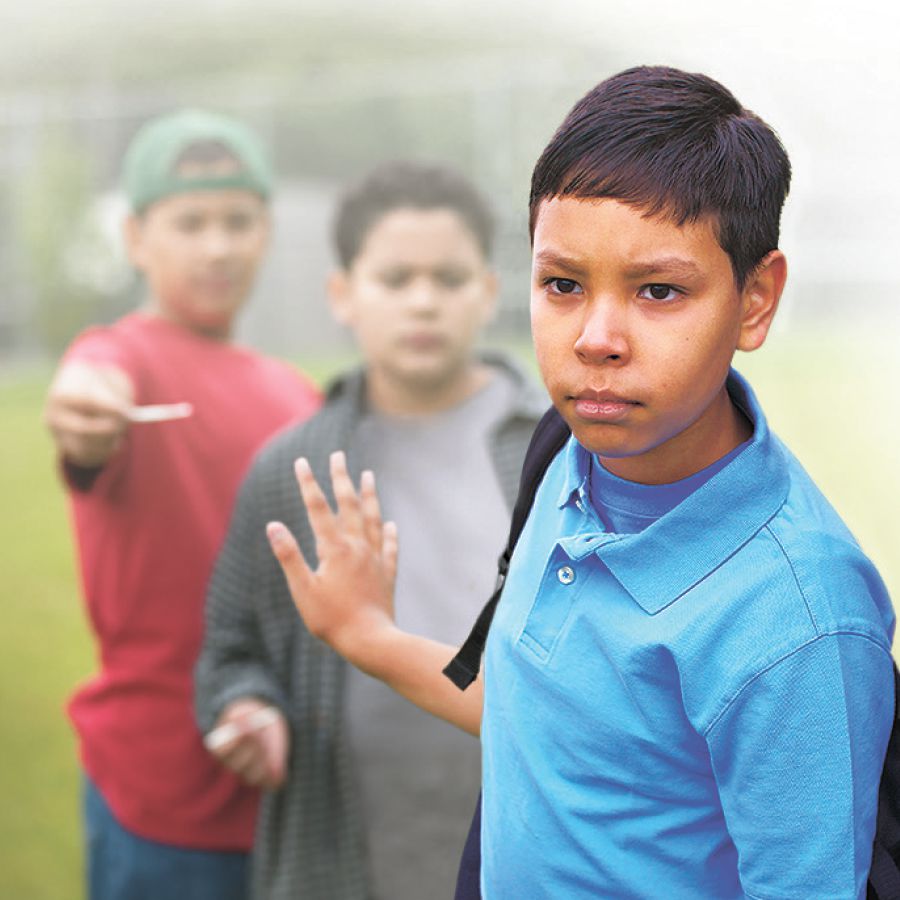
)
(217, 242)
(603, 336)
(422, 295)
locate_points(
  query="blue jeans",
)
(123, 866)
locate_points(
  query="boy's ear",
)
(267, 227)
(491, 296)
(338, 288)
(132, 232)
(759, 300)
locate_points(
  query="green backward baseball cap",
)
(150, 170)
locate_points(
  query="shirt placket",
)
(569, 568)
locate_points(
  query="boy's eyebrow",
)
(669, 265)
(676, 266)
(552, 259)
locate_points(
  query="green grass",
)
(829, 396)
(45, 651)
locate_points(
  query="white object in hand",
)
(160, 412)
(220, 736)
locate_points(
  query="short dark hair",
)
(408, 185)
(676, 144)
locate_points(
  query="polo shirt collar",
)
(577, 474)
(661, 563)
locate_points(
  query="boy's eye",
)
(239, 222)
(563, 286)
(451, 278)
(659, 292)
(395, 279)
(189, 223)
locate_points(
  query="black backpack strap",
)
(884, 874)
(883, 878)
(468, 877)
(548, 438)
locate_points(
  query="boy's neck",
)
(222, 334)
(393, 397)
(691, 451)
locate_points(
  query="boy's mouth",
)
(602, 406)
(423, 341)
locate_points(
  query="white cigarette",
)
(220, 736)
(160, 412)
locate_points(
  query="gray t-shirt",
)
(419, 776)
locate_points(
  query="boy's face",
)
(416, 297)
(635, 321)
(200, 252)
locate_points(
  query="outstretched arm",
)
(348, 600)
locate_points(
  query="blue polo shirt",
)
(698, 710)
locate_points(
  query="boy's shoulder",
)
(840, 586)
(813, 545)
(802, 567)
(800, 578)
(332, 426)
(316, 437)
(106, 343)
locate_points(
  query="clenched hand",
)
(87, 411)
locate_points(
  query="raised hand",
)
(348, 600)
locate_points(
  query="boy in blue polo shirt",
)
(688, 685)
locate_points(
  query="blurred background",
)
(335, 86)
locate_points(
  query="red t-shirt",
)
(149, 528)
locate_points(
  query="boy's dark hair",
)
(676, 144)
(408, 185)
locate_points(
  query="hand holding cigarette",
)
(87, 411)
(229, 730)
(251, 738)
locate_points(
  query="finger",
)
(79, 424)
(272, 780)
(296, 571)
(345, 495)
(275, 773)
(390, 549)
(274, 746)
(253, 768)
(239, 755)
(256, 774)
(91, 405)
(371, 509)
(321, 518)
(85, 379)
(83, 441)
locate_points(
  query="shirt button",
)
(565, 574)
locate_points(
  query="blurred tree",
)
(54, 196)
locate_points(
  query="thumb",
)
(275, 747)
(389, 551)
(289, 557)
